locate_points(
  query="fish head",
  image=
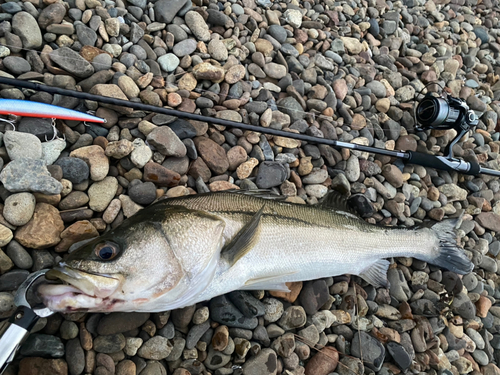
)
(158, 256)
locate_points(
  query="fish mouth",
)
(80, 290)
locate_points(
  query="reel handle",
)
(16, 331)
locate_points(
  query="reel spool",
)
(443, 112)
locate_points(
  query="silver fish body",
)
(210, 244)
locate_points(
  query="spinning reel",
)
(443, 112)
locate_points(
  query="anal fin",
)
(376, 274)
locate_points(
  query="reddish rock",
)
(160, 175)
(199, 169)
(213, 154)
(43, 230)
(79, 231)
(291, 296)
(489, 220)
(323, 362)
(41, 366)
(483, 305)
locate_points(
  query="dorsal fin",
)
(336, 201)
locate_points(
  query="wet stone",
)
(40, 345)
(247, 304)
(369, 349)
(224, 312)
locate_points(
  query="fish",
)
(27, 108)
(181, 251)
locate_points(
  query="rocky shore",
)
(346, 70)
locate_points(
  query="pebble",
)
(19, 208)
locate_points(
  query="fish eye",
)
(106, 250)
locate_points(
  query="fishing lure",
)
(36, 109)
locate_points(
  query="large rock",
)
(166, 10)
(209, 72)
(197, 25)
(42, 366)
(72, 62)
(292, 108)
(52, 14)
(24, 25)
(29, 175)
(43, 230)
(166, 142)
(213, 154)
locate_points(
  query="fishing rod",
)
(432, 113)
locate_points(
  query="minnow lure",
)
(36, 109)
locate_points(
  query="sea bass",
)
(181, 251)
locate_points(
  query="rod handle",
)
(427, 160)
(442, 163)
(14, 334)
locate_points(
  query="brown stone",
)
(174, 99)
(406, 143)
(340, 88)
(187, 82)
(126, 367)
(323, 362)
(90, 52)
(236, 155)
(209, 72)
(213, 154)
(483, 305)
(160, 175)
(264, 46)
(489, 220)
(199, 169)
(393, 175)
(43, 230)
(112, 91)
(245, 169)
(220, 339)
(235, 74)
(97, 160)
(358, 122)
(222, 185)
(79, 231)
(41, 366)
(291, 296)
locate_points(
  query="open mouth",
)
(80, 291)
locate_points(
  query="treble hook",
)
(10, 122)
(55, 136)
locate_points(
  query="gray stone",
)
(19, 208)
(369, 349)
(72, 62)
(22, 145)
(26, 27)
(19, 255)
(75, 357)
(224, 312)
(74, 169)
(16, 65)
(39, 345)
(186, 47)
(271, 174)
(85, 34)
(168, 62)
(29, 175)
(166, 10)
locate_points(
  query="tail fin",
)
(450, 255)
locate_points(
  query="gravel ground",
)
(343, 70)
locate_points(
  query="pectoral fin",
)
(244, 240)
(376, 274)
